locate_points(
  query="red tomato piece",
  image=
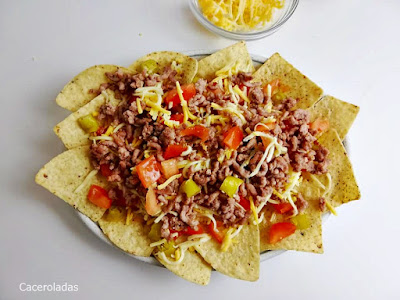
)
(148, 171)
(282, 208)
(244, 203)
(279, 231)
(177, 117)
(174, 151)
(320, 125)
(169, 167)
(152, 207)
(188, 91)
(101, 130)
(215, 234)
(99, 196)
(233, 137)
(105, 170)
(191, 231)
(197, 130)
(274, 86)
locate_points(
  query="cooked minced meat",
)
(142, 136)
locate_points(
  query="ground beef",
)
(141, 133)
(256, 95)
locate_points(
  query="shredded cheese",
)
(86, 180)
(240, 15)
(139, 106)
(187, 151)
(101, 138)
(118, 127)
(230, 108)
(168, 181)
(241, 94)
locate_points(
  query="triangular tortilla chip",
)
(132, 238)
(76, 93)
(64, 173)
(236, 53)
(309, 240)
(340, 114)
(301, 88)
(344, 184)
(241, 260)
(193, 268)
(69, 130)
(165, 58)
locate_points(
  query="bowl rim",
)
(193, 4)
(95, 229)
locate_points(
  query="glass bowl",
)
(279, 18)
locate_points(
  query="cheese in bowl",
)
(240, 15)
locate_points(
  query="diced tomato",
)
(282, 208)
(274, 86)
(177, 117)
(233, 137)
(215, 234)
(267, 128)
(148, 171)
(188, 91)
(174, 151)
(152, 207)
(101, 130)
(191, 231)
(99, 196)
(169, 167)
(105, 170)
(320, 125)
(279, 231)
(244, 203)
(179, 233)
(197, 130)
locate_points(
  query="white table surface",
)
(351, 48)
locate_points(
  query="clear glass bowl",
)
(279, 18)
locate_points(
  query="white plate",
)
(94, 227)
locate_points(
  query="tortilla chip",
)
(301, 88)
(340, 114)
(241, 260)
(165, 58)
(309, 240)
(193, 268)
(69, 130)
(236, 53)
(344, 185)
(76, 93)
(132, 238)
(64, 173)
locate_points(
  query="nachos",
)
(203, 164)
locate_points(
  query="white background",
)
(350, 48)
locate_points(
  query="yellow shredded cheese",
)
(240, 15)
(241, 94)
(110, 130)
(168, 181)
(139, 106)
(158, 243)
